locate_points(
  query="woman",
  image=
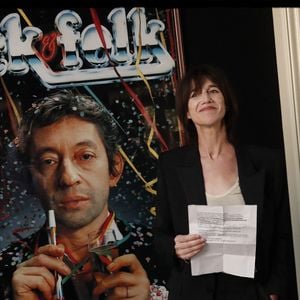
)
(213, 170)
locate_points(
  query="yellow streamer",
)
(153, 210)
(138, 59)
(162, 37)
(11, 101)
(148, 185)
(22, 13)
(139, 72)
(149, 140)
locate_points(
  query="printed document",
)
(230, 233)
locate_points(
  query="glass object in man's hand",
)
(102, 247)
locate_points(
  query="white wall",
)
(287, 41)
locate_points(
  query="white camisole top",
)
(232, 196)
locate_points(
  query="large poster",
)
(126, 59)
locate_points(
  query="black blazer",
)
(263, 182)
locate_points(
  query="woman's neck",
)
(212, 143)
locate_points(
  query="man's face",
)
(70, 171)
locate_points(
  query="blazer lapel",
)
(191, 177)
(252, 182)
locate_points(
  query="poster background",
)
(20, 212)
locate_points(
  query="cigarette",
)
(52, 241)
(52, 227)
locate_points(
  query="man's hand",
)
(123, 285)
(186, 246)
(35, 276)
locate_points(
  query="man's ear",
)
(118, 170)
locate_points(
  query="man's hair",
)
(53, 107)
(197, 75)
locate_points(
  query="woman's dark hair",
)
(52, 108)
(195, 78)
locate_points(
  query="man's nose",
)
(69, 174)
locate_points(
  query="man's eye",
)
(45, 164)
(87, 156)
(48, 162)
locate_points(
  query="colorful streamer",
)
(134, 96)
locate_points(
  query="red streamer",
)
(131, 93)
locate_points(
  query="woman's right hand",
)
(186, 246)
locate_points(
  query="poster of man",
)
(123, 59)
